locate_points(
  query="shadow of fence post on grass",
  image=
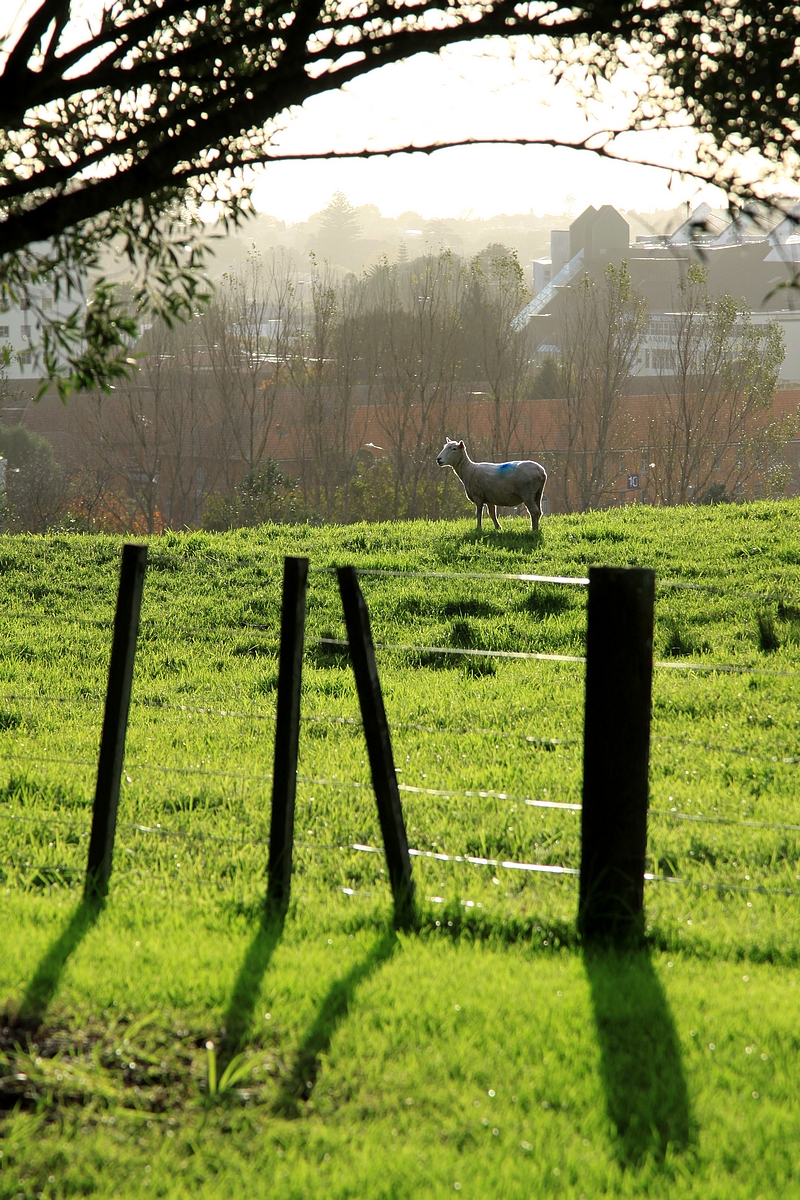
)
(299, 1083)
(640, 1058)
(47, 976)
(244, 997)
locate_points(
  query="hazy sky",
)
(488, 89)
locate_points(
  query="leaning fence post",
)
(287, 730)
(379, 744)
(616, 752)
(115, 721)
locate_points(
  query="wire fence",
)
(233, 627)
(497, 863)
(158, 559)
(671, 814)
(356, 724)
(64, 874)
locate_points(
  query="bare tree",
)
(193, 446)
(718, 374)
(153, 437)
(98, 502)
(603, 324)
(313, 379)
(125, 429)
(419, 319)
(247, 331)
(354, 384)
(328, 371)
(498, 294)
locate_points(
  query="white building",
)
(20, 328)
(655, 353)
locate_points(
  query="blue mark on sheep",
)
(505, 466)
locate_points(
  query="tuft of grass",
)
(545, 601)
(326, 656)
(468, 607)
(787, 611)
(677, 644)
(461, 635)
(479, 668)
(768, 640)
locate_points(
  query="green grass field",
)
(483, 1052)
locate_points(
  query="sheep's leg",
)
(493, 514)
(534, 505)
(479, 515)
(535, 512)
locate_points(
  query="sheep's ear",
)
(461, 444)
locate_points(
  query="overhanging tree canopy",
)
(114, 129)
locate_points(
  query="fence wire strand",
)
(475, 652)
(66, 870)
(59, 618)
(387, 571)
(742, 822)
(157, 829)
(356, 723)
(722, 668)
(309, 781)
(312, 718)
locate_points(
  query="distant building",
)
(741, 258)
(20, 328)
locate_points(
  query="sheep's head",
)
(451, 454)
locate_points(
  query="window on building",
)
(47, 303)
(25, 332)
(4, 331)
(25, 358)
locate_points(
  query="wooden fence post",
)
(616, 753)
(379, 744)
(115, 721)
(287, 731)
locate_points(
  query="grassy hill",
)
(482, 1052)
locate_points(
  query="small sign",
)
(633, 482)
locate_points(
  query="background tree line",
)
(308, 395)
(312, 395)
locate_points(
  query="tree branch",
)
(16, 64)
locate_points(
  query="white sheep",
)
(496, 483)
